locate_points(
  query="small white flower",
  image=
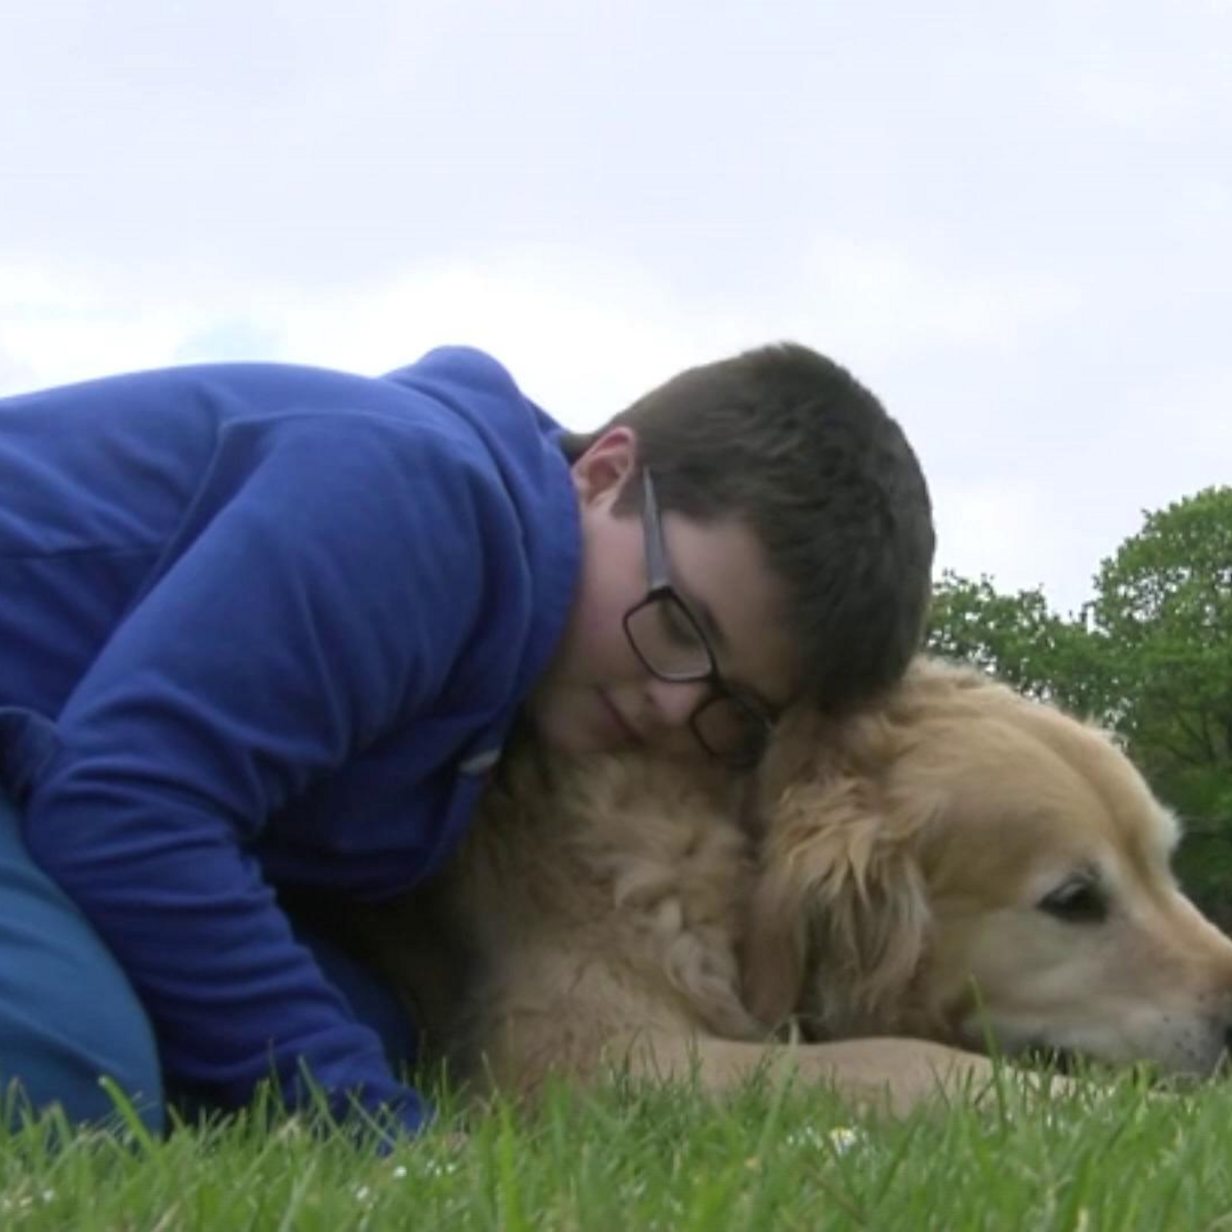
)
(400, 1172)
(441, 1167)
(843, 1138)
(808, 1136)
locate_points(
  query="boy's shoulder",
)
(465, 365)
(470, 382)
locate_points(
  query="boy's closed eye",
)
(676, 626)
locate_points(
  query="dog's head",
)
(965, 864)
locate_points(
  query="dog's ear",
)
(838, 919)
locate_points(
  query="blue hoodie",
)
(266, 625)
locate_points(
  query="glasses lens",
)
(668, 640)
(731, 730)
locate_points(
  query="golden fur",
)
(888, 882)
(966, 864)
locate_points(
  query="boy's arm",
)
(327, 597)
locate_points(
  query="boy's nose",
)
(675, 703)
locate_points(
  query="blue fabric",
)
(68, 1014)
(257, 625)
(370, 998)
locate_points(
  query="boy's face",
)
(597, 694)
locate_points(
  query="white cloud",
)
(878, 293)
(584, 332)
(1011, 530)
(56, 327)
(1112, 97)
(583, 335)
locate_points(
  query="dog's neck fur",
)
(647, 863)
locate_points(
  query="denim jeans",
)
(68, 1014)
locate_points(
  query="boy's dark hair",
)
(789, 442)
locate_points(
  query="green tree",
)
(1019, 639)
(1163, 616)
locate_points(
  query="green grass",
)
(1118, 1158)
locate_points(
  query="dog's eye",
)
(1078, 901)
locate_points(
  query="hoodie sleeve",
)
(326, 585)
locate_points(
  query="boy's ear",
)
(606, 465)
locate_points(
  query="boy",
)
(264, 629)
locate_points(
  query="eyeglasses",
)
(730, 724)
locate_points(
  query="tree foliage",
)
(1019, 639)
(1163, 610)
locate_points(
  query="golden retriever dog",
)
(972, 867)
(958, 866)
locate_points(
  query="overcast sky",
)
(1012, 220)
